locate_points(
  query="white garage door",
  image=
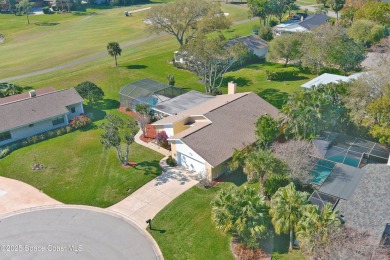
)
(190, 163)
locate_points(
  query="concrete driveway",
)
(73, 232)
(16, 195)
(147, 201)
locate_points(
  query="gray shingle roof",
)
(369, 207)
(252, 42)
(183, 102)
(31, 110)
(232, 127)
(313, 21)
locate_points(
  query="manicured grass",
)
(184, 229)
(79, 171)
(70, 37)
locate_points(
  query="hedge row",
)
(282, 74)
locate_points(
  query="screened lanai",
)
(147, 91)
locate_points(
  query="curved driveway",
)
(71, 232)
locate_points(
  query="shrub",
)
(282, 74)
(4, 152)
(266, 33)
(171, 162)
(46, 10)
(273, 183)
(273, 23)
(162, 139)
(80, 121)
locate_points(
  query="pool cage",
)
(354, 151)
(147, 91)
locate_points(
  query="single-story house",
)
(353, 176)
(254, 43)
(305, 25)
(204, 137)
(36, 112)
(327, 78)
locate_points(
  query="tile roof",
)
(31, 110)
(369, 207)
(232, 127)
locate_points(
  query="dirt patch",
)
(129, 165)
(241, 252)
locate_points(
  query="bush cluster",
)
(282, 74)
(162, 139)
(77, 122)
(46, 10)
(171, 162)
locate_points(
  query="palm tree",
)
(114, 50)
(316, 225)
(286, 209)
(241, 212)
(259, 163)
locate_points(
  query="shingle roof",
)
(183, 102)
(31, 110)
(369, 207)
(252, 42)
(313, 21)
(232, 127)
(25, 95)
(200, 109)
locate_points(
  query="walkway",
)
(16, 195)
(93, 57)
(147, 201)
(313, 8)
(151, 145)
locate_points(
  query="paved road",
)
(73, 233)
(313, 8)
(93, 57)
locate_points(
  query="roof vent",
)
(32, 93)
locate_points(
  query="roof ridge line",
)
(27, 98)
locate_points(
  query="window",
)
(5, 136)
(72, 109)
(30, 125)
(58, 120)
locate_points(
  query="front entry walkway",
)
(147, 201)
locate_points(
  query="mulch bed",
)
(242, 253)
(129, 165)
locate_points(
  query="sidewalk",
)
(148, 200)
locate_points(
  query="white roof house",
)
(307, 24)
(327, 78)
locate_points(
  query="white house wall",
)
(196, 162)
(261, 52)
(26, 131)
(168, 130)
(42, 126)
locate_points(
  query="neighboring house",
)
(353, 176)
(308, 24)
(327, 78)
(36, 112)
(204, 137)
(254, 43)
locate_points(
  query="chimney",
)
(232, 87)
(32, 93)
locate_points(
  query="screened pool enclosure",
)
(147, 91)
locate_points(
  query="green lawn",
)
(79, 171)
(67, 37)
(184, 230)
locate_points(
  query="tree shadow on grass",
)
(149, 167)
(46, 23)
(136, 67)
(96, 111)
(241, 82)
(281, 243)
(274, 96)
